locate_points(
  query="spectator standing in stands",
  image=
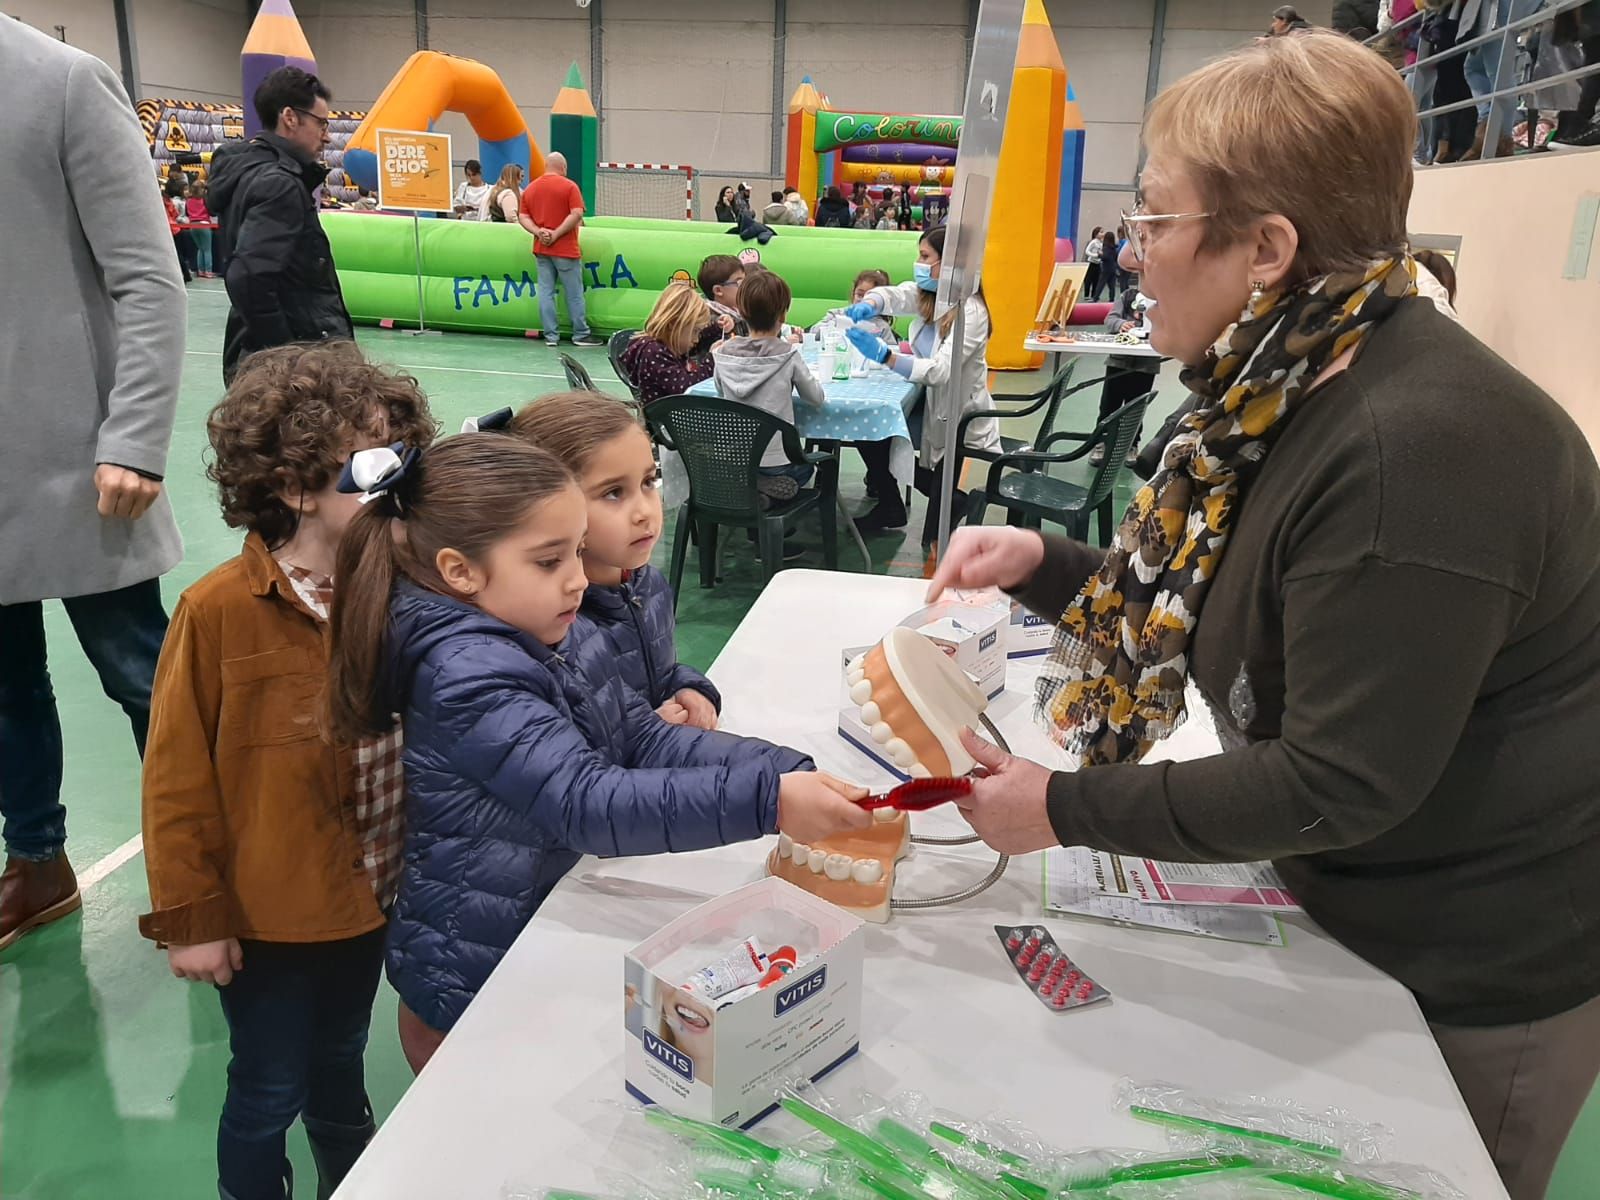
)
(552, 210)
(471, 192)
(777, 213)
(1581, 25)
(742, 211)
(198, 214)
(1482, 65)
(281, 282)
(724, 209)
(505, 198)
(1452, 131)
(93, 342)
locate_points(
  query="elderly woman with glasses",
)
(1372, 550)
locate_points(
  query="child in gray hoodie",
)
(763, 370)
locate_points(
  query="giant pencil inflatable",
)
(1034, 220)
(430, 84)
(275, 40)
(480, 277)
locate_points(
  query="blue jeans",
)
(1483, 64)
(202, 249)
(570, 272)
(121, 633)
(298, 1016)
(799, 472)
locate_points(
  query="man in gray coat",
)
(92, 321)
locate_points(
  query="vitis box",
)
(727, 1064)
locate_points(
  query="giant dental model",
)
(914, 700)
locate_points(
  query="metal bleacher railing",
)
(1419, 77)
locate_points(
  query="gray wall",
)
(188, 49)
(691, 81)
(1107, 49)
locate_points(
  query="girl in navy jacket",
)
(626, 622)
(516, 765)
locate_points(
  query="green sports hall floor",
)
(111, 1071)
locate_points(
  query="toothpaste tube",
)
(743, 964)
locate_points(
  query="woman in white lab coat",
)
(946, 400)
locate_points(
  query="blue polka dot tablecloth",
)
(866, 408)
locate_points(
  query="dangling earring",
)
(1258, 289)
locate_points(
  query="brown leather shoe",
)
(34, 894)
(1476, 152)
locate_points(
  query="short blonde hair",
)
(678, 318)
(1315, 127)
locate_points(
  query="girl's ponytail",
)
(358, 704)
(466, 493)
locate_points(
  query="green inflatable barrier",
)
(480, 277)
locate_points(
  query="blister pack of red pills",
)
(1046, 970)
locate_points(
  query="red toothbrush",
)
(919, 795)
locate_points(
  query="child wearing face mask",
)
(626, 621)
(864, 283)
(459, 584)
(926, 359)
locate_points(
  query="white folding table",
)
(527, 1090)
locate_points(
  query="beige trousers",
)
(1524, 1086)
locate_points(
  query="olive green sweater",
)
(1402, 651)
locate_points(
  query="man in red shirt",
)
(552, 210)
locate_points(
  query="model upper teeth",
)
(785, 846)
(801, 853)
(866, 870)
(838, 866)
(899, 752)
(817, 860)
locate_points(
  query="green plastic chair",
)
(721, 443)
(578, 378)
(614, 348)
(1031, 497)
(1047, 398)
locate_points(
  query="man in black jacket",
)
(280, 279)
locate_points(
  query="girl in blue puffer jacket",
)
(457, 587)
(627, 613)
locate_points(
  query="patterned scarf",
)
(1113, 683)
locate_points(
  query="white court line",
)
(128, 850)
(428, 367)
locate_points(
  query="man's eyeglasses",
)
(1139, 224)
(322, 121)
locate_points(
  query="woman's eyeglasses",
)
(1139, 225)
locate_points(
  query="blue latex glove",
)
(864, 311)
(872, 346)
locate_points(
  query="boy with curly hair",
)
(272, 855)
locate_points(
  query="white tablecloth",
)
(527, 1090)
